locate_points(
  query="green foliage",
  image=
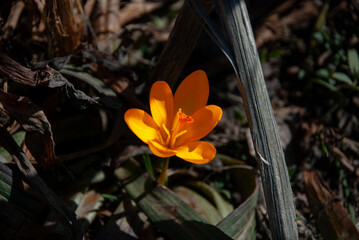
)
(110, 196)
(177, 219)
(272, 54)
(324, 148)
(345, 187)
(342, 77)
(334, 66)
(159, 22)
(353, 61)
(238, 115)
(219, 185)
(148, 164)
(19, 137)
(292, 170)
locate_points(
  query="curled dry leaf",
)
(16, 72)
(331, 217)
(49, 77)
(39, 139)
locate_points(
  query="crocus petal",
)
(192, 93)
(204, 120)
(141, 124)
(196, 152)
(161, 103)
(160, 150)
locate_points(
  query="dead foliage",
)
(69, 69)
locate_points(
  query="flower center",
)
(181, 119)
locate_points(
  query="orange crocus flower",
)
(178, 121)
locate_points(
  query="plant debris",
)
(70, 69)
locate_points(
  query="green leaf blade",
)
(173, 216)
(342, 77)
(353, 61)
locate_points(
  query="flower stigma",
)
(181, 120)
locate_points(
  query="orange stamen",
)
(183, 119)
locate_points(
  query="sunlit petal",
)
(196, 152)
(141, 124)
(161, 103)
(192, 93)
(160, 150)
(205, 119)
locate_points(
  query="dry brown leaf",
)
(18, 73)
(332, 218)
(39, 137)
(88, 206)
(49, 77)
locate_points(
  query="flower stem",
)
(161, 180)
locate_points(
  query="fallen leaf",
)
(331, 217)
(39, 139)
(49, 77)
(87, 209)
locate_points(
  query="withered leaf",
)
(49, 77)
(331, 217)
(18, 73)
(39, 139)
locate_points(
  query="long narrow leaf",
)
(174, 217)
(270, 156)
(353, 61)
(241, 223)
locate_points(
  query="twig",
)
(345, 161)
(13, 18)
